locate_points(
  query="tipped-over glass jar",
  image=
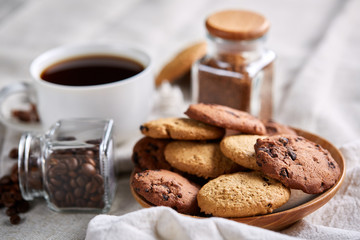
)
(237, 70)
(71, 165)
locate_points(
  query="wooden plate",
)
(283, 219)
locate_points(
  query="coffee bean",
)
(73, 183)
(88, 169)
(99, 179)
(90, 161)
(59, 195)
(89, 153)
(15, 219)
(13, 154)
(8, 199)
(79, 192)
(22, 206)
(94, 141)
(55, 182)
(69, 199)
(59, 169)
(11, 211)
(30, 115)
(96, 197)
(91, 187)
(5, 180)
(72, 174)
(101, 190)
(10, 196)
(67, 187)
(72, 163)
(81, 181)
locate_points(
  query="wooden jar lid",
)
(237, 25)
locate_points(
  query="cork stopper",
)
(237, 25)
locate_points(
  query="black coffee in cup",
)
(91, 70)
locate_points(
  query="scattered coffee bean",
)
(28, 116)
(15, 219)
(13, 154)
(10, 196)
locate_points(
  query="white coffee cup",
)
(128, 102)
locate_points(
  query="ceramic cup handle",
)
(13, 96)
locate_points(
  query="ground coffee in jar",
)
(71, 166)
(237, 70)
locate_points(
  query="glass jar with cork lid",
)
(238, 69)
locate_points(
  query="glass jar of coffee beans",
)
(71, 165)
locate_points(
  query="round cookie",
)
(148, 153)
(242, 194)
(275, 128)
(240, 149)
(297, 162)
(181, 63)
(165, 188)
(181, 129)
(199, 158)
(226, 117)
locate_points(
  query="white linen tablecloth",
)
(317, 88)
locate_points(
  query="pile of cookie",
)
(227, 163)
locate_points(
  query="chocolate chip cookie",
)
(242, 194)
(297, 162)
(226, 117)
(181, 129)
(148, 153)
(165, 188)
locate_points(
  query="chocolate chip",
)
(292, 154)
(144, 129)
(165, 197)
(331, 165)
(153, 146)
(233, 114)
(284, 140)
(135, 158)
(284, 172)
